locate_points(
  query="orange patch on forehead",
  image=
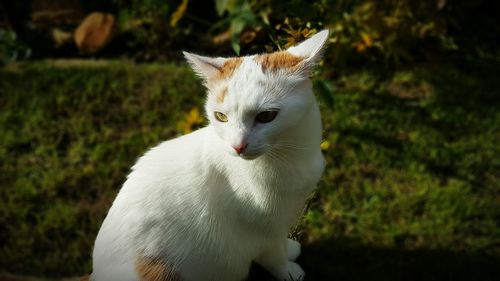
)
(278, 60)
(221, 95)
(154, 269)
(228, 68)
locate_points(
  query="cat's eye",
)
(220, 116)
(266, 116)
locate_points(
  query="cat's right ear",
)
(206, 67)
(311, 50)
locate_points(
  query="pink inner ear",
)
(204, 66)
(311, 49)
(221, 95)
(213, 68)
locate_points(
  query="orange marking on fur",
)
(154, 269)
(228, 68)
(222, 95)
(84, 278)
(278, 60)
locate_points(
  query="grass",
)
(411, 190)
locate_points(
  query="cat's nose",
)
(240, 148)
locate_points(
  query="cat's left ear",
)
(206, 67)
(312, 49)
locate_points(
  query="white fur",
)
(208, 211)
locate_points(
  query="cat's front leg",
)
(278, 261)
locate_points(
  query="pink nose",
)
(240, 148)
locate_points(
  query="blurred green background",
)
(409, 97)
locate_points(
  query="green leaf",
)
(237, 26)
(220, 6)
(236, 46)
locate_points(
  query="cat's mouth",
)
(249, 157)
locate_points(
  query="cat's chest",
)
(269, 190)
(294, 175)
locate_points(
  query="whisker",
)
(290, 145)
(279, 157)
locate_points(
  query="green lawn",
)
(411, 190)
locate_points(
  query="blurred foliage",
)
(148, 24)
(369, 30)
(239, 16)
(10, 48)
(192, 120)
(383, 32)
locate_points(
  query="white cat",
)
(205, 205)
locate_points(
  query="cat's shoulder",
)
(175, 153)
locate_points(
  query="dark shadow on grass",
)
(343, 259)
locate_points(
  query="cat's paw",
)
(293, 249)
(294, 272)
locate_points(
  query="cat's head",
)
(253, 100)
